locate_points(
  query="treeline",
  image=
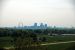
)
(19, 32)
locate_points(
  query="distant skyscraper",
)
(20, 24)
(41, 24)
(45, 25)
(35, 24)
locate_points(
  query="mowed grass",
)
(7, 42)
(59, 38)
(51, 47)
(58, 46)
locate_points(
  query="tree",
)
(44, 39)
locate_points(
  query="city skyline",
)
(34, 26)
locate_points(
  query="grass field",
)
(58, 38)
(58, 46)
(7, 42)
(52, 47)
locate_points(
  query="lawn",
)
(7, 42)
(58, 38)
(58, 46)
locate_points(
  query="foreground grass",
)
(58, 46)
(58, 38)
(62, 46)
(6, 42)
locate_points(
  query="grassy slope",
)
(58, 46)
(58, 38)
(6, 42)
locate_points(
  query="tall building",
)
(35, 24)
(45, 25)
(41, 25)
(20, 24)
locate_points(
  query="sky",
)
(51, 12)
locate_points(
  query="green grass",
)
(52, 47)
(58, 46)
(6, 42)
(58, 38)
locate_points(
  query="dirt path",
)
(58, 43)
(49, 44)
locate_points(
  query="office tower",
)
(20, 24)
(35, 24)
(45, 25)
(41, 25)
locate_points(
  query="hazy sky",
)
(52, 12)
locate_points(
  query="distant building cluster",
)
(35, 26)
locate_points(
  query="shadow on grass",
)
(2, 49)
(71, 48)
